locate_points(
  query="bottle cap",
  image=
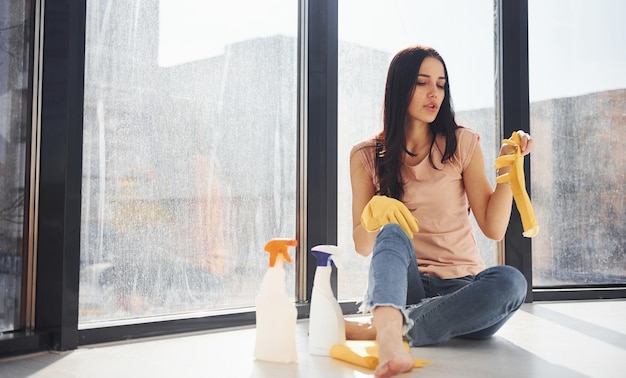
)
(325, 253)
(278, 247)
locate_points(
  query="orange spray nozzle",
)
(278, 246)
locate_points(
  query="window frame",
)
(513, 113)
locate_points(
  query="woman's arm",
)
(362, 192)
(491, 207)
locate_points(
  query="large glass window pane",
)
(189, 154)
(578, 116)
(370, 33)
(15, 33)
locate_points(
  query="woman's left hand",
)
(525, 145)
(527, 142)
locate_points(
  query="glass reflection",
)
(14, 131)
(189, 157)
(578, 112)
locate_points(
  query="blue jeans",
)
(436, 310)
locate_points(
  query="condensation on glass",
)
(14, 131)
(578, 120)
(369, 36)
(189, 155)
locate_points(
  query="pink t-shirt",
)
(445, 245)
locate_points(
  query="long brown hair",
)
(391, 141)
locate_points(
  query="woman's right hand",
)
(382, 210)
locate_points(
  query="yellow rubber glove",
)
(518, 185)
(364, 353)
(382, 210)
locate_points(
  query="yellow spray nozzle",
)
(278, 247)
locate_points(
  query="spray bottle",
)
(326, 324)
(275, 314)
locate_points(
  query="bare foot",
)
(360, 330)
(393, 358)
(391, 369)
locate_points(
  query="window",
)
(14, 133)
(189, 155)
(370, 33)
(577, 113)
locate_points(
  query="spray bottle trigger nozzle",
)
(325, 254)
(278, 247)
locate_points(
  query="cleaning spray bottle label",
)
(276, 314)
(326, 323)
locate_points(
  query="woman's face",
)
(429, 92)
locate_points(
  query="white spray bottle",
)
(276, 314)
(326, 323)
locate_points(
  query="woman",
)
(427, 283)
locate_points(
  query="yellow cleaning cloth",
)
(518, 185)
(364, 353)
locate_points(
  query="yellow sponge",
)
(364, 353)
(518, 185)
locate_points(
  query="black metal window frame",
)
(58, 253)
